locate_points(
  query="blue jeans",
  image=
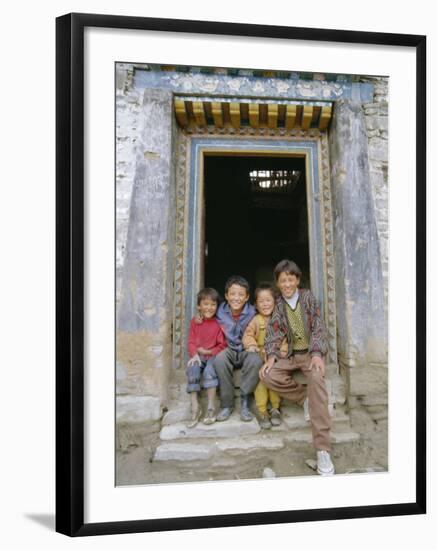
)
(203, 373)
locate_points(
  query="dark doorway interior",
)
(255, 215)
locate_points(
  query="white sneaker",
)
(325, 467)
(306, 410)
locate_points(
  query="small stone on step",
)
(311, 463)
(268, 473)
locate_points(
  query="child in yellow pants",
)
(253, 340)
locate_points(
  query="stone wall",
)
(375, 399)
(376, 116)
(128, 122)
(144, 312)
(359, 162)
(361, 319)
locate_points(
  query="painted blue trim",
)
(192, 267)
(251, 86)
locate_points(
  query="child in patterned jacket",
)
(297, 317)
(253, 340)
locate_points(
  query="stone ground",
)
(168, 452)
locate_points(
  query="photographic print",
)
(251, 273)
(240, 274)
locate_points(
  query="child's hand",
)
(252, 348)
(203, 351)
(195, 360)
(266, 367)
(318, 363)
(198, 319)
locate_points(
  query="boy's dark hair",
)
(236, 280)
(288, 267)
(266, 286)
(210, 293)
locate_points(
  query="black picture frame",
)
(70, 273)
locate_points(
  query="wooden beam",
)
(234, 112)
(254, 115)
(290, 117)
(217, 114)
(325, 117)
(272, 115)
(307, 115)
(199, 113)
(181, 113)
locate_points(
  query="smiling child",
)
(234, 315)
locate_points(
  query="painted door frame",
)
(190, 219)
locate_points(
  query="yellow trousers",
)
(263, 395)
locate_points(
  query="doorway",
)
(255, 215)
(222, 180)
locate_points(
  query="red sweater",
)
(207, 334)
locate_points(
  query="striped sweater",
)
(278, 327)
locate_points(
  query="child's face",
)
(265, 302)
(287, 284)
(207, 308)
(236, 296)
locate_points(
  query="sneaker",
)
(264, 421)
(195, 417)
(325, 467)
(210, 417)
(224, 414)
(306, 410)
(275, 417)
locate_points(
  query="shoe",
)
(245, 414)
(325, 467)
(306, 410)
(264, 421)
(195, 417)
(210, 417)
(275, 417)
(224, 414)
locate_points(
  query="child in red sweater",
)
(205, 340)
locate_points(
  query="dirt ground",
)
(135, 465)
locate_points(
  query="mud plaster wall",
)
(359, 162)
(145, 306)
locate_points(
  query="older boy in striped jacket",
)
(296, 316)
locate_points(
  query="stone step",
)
(183, 452)
(292, 423)
(175, 420)
(201, 449)
(344, 437)
(269, 442)
(233, 427)
(336, 437)
(178, 413)
(292, 416)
